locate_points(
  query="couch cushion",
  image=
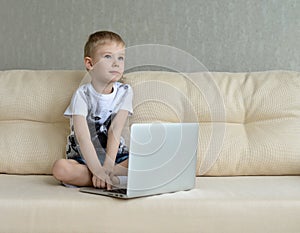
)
(217, 204)
(33, 130)
(249, 122)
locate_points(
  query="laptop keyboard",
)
(121, 191)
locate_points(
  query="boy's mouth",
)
(114, 72)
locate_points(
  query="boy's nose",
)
(115, 63)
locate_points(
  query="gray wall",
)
(224, 35)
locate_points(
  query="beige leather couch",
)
(248, 157)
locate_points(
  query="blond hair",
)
(100, 38)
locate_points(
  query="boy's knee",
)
(60, 169)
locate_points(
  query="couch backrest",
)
(249, 122)
(33, 130)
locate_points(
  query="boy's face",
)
(107, 64)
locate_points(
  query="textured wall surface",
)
(229, 35)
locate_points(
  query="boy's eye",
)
(107, 56)
(121, 58)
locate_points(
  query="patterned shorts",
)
(119, 159)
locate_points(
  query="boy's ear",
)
(88, 63)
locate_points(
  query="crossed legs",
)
(71, 172)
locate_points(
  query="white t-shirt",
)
(99, 110)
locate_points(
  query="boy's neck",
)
(103, 88)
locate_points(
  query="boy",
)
(98, 112)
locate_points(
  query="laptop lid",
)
(162, 158)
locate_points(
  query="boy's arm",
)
(87, 148)
(113, 139)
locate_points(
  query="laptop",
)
(162, 159)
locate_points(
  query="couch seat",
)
(38, 203)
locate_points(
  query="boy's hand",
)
(103, 182)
